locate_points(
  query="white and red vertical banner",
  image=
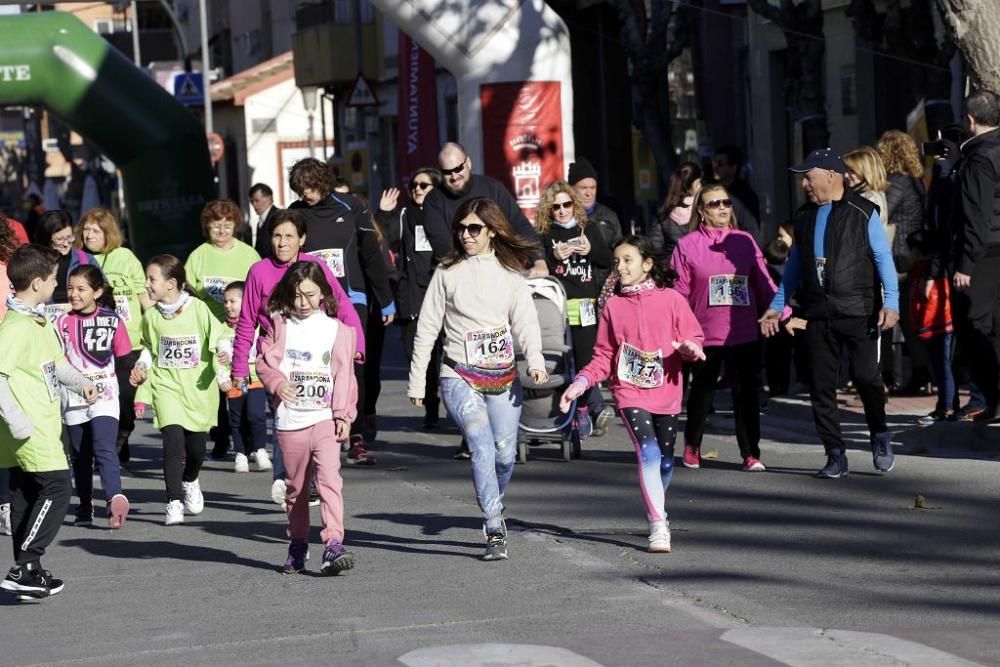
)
(522, 137)
(417, 130)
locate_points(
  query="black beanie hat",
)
(580, 170)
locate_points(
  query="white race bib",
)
(314, 390)
(489, 348)
(179, 352)
(122, 308)
(420, 242)
(728, 290)
(588, 312)
(639, 368)
(105, 382)
(821, 270)
(51, 382)
(54, 310)
(215, 286)
(334, 260)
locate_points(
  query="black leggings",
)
(653, 438)
(374, 343)
(183, 454)
(745, 360)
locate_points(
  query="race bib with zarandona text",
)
(420, 242)
(179, 352)
(54, 310)
(489, 348)
(122, 308)
(51, 381)
(334, 260)
(215, 286)
(313, 389)
(639, 368)
(728, 290)
(588, 312)
(104, 382)
(821, 271)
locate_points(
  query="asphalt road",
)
(767, 569)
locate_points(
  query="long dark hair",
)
(512, 250)
(283, 295)
(661, 273)
(681, 181)
(96, 280)
(172, 269)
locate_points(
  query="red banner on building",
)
(417, 128)
(522, 137)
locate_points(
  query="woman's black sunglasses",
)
(473, 230)
(417, 185)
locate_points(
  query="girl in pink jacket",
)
(307, 363)
(645, 332)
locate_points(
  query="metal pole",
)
(359, 54)
(205, 72)
(136, 56)
(322, 123)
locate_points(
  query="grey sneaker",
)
(298, 554)
(496, 547)
(836, 465)
(5, 519)
(336, 559)
(882, 455)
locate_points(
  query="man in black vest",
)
(841, 265)
(258, 233)
(976, 250)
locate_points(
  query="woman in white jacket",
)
(481, 300)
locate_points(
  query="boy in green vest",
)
(32, 368)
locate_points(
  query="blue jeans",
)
(939, 351)
(489, 424)
(94, 442)
(248, 417)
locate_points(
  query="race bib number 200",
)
(489, 348)
(313, 389)
(179, 352)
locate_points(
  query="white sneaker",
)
(263, 460)
(242, 463)
(278, 494)
(175, 513)
(5, 519)
(659, 537)
(194, 501)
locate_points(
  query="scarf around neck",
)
(37, 313)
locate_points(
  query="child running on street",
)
(307, 363)
(32, 368)
(645, 331)
(247, 405)
(93, 336)
(177, 373)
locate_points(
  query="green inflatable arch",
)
(52, 59)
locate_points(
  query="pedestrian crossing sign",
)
(189, 88)
(362, 94)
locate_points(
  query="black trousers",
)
(126, 392)
(359, 372)
(860, 339)
(745, 361)
(976, 312)
(374, 344)
(183, 455)
(38, 504)
(584, 339)
(432, 377)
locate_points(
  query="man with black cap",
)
(842, 271)
(583, 177)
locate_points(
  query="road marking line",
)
(491, 655)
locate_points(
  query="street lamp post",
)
(309, 102)
(205, 72)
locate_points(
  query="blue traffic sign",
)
(189, 88)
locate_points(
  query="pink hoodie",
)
(651, 320)
(728, 261)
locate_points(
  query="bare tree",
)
(974, 26)
(653, 37)
(801, 21)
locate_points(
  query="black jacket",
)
(580, 275)
(340, 226)
(263, 244)
(606, 222)
(977, 224)
(404, 230)
(851, 286)
(906, 200)
(441, 205)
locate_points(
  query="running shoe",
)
(31, 582)
(659, 537)
(84, 515)
(175, 513)
(753, 464)
(369, 429)
(692, 456)
(970, 412)
(882, 455)
(194, 501)
(496, 547)
(357, 455)
(836, 466)
(935, 417)
(601, 423)
(583, 424)
(462, 453)
(336, 559)
(118, 508)
(313, 496)
(263, 460)
(279, 492)
(298, 554)
(5, 519)
(242, 463)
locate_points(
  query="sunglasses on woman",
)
(566, 205)
(716, 203)
(473, 229)
(420, 185)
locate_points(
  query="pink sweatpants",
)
(315, 447)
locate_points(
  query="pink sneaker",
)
(692, 456)
(753, 464)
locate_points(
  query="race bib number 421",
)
(179, 352)
(489, 348)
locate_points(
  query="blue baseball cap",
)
(821, 158)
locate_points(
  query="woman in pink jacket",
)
(306, 363)
(721, 272)
(644, 333)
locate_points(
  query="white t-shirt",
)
(306, 366)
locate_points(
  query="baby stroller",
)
(541, 421)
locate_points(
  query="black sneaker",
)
(298, 554)
(496, 547)
(882, 456)
(31, 582)
(336, 559)
(84, 516)
(313, 496)
(462, 453)
(835, 468)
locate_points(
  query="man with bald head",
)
(842, 272)
(458, 185)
